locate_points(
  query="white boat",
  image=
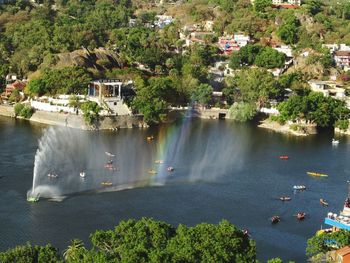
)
(299, 187)
(52, 175)
(82, 174)
(335, 142)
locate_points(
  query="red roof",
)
(343, 251)
(342, 53)
(16, 85)
(286, 5)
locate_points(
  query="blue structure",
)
(336, 223)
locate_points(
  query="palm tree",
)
(73, 251)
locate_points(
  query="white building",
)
(287, 50)
(241, 40)
(328, 88)
(163, 20)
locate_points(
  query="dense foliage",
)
(90, 111)
(241, 111)
(23, 110)
(314, 107)
(321, 243)
(147, 240)
(265, 57)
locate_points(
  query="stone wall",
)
(77, 121)
(7, 111)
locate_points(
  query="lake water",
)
(223, 170)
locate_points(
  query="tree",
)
(270, 58)
(257, 86)
(74, 251)
(211, 243)
(260, 5)
(241, 111)
(90, 111)
(36, 87)
(29, 253)
(153, 96)
(203, 94)
(289, 30)
(314, 107)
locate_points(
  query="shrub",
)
(18, 108)
(241, 111)
(25, 111)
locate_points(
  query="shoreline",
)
(297, 130)
(76, 121)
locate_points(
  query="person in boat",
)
(285, 198)
(347, 202)
(323, 202)
(301, 216)
(275, 219)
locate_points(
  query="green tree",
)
(36, 87)
(29, 253)
(261, 5)
(289, 30)
(257, 86)
(202, 94)
(74, 251)
(211, 243)
(270, 58)
(241, 111)
(90, 111)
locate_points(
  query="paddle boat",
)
(150, 138)
(52, 175)
(82, 174)
(285, 198)
(275, 219)
(335, 142)
(33, 199)
(151, 171)
(323, 202)
(317, 174)
(299, 187)
(107, 183)
(284, 157)
(300, 216)
(170, 169)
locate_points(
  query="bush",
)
(18, 108)
(90, 111)
(342, 124)
(25, 111)
(241, 111)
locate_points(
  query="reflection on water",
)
(221, 170)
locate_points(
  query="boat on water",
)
(107, 183)
(300, 216)
(33, 199)
(275, 219)
(151, 171)
(323, 202)
(82, 174)
(170, 169)
(285, 198)
(52, 175)
(150, 138)
(284, 157)
(158, 161)
(299, 187)
(335, 142)
(317, 174)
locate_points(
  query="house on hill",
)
(284, 3)
(17, 85)
(342, 59)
